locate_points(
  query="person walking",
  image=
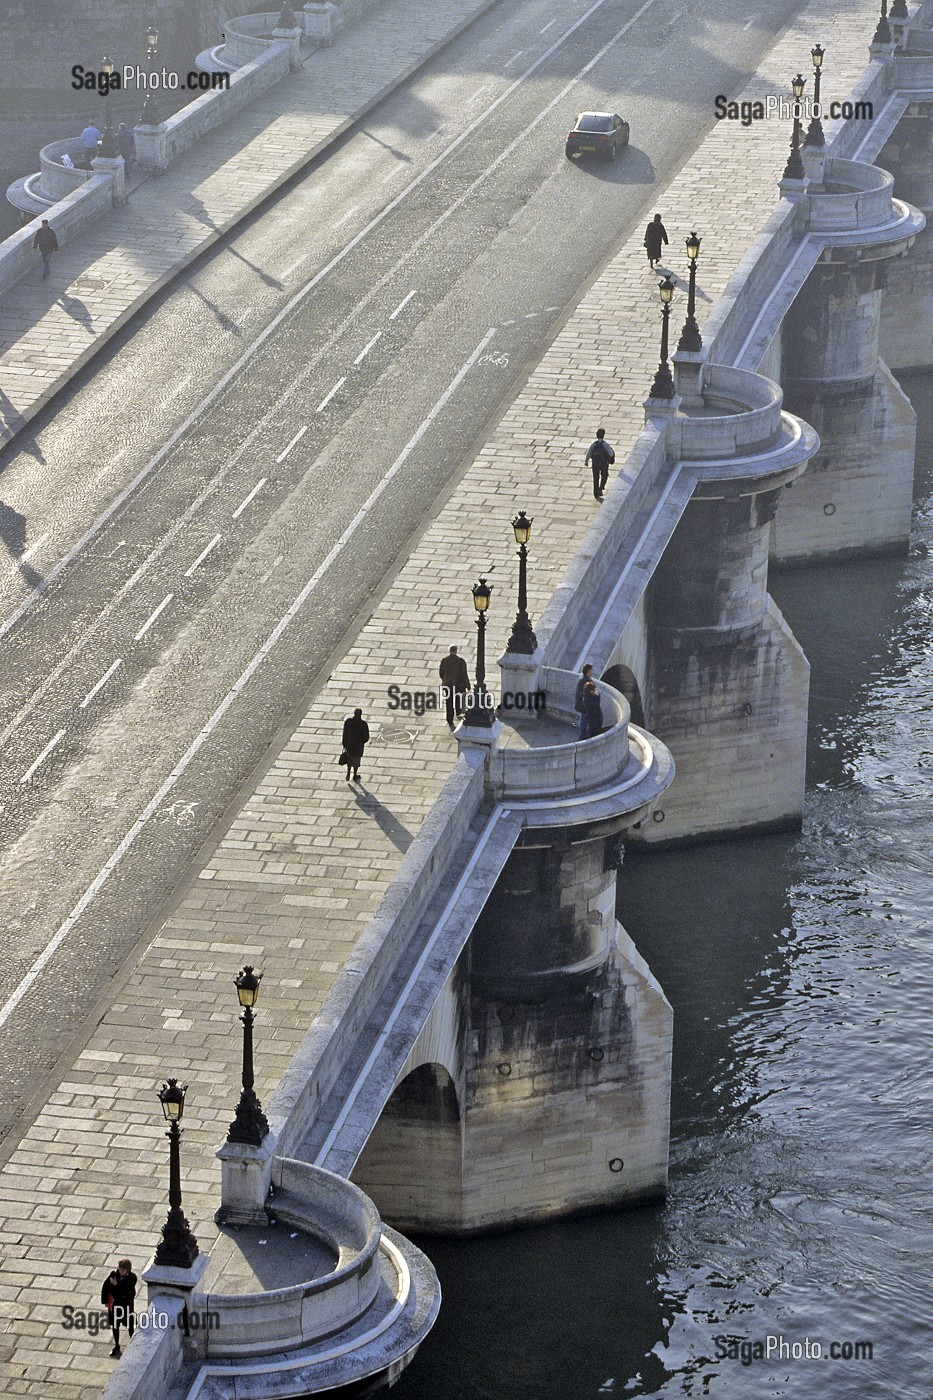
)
(600, 457)
(455, 678)
(46, 241)
(355, 739)
(90, 140)
(118, 1296)
(592, 711)
(578, 698)
(655, 235)
(127, 144)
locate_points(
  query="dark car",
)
(597, 134)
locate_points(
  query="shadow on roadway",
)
(13, 534)
(633, 166)
(398, 834)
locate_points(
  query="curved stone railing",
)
(248, 36)
(854, 196)
(750, 420)
(335, 1211)
(556, 770)
(57, 180)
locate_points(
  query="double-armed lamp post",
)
(178, 1248)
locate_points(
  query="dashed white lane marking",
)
(144, 474)
(509, 323)
(202, 556)
(749, 22)
(547, 26)
(297, 438)
(152, 617)
(402, 304)
(269, 572)
(508, 63)
(242, 680)
(246, 499)
(100, 684)
(439, 132)
(348, 215)
(327, 397)
(392, 174)
(27, 553)
(179, 388)
(42, 757)
(480, 90)
(366, 348)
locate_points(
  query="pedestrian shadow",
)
(13, 534)
(76, 309)
(226, 322)
(398, 834)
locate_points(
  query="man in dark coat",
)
(355, 739)
(118, 1296)
(592, 711)
(455, 678)
(655, 235)
(578, 697)
(47, 243)
(600, 457)
(127, 144)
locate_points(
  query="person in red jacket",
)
(118, 1296)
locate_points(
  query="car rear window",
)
(594, 121)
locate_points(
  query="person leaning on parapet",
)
(90, 140)
(600, 457)
(455, 678)
(118, 1296)
(46, 241)
(127, 144)
(355, 739)
(578, 698)
(655, 235)
(592, 711)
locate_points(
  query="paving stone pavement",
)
(101, 279)
(302, 866)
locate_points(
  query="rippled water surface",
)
(801, 975)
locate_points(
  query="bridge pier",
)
(907, 311)
(855, 497)
(555, 1095)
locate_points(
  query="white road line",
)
(269, 572)
(152, 617)
(480, 90)
(202, 556)
(295, 265)
(348, 215)
(510, 61)
(42, 757)
(392, 174)
(146, 471)
(509, 323)
(36, 544)
(102, 682)
(748, 23)
(246, 500)
(297, 438)
(178, 389)
(242, 680)
(366, 349)
(547, 26)
(327, 397)
(402, 304)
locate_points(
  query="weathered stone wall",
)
(907, 310)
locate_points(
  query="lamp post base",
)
(163, 1278)
(245, 1176)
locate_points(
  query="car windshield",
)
(594, 121)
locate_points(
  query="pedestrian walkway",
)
(48, 330)
(297, 875)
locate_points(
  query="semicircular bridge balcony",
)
(855, 206)
(542, 767)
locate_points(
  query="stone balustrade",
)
(854, 196)
(55, 179)
(740, 413)
(248, 37)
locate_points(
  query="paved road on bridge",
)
(196, 530)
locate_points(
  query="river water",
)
(800, 971)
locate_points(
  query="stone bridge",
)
(495, 1049)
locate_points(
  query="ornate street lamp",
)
(815, 135)
(899, 9)
(690, 338)
(794, 170)
(663, 386)
(883, 32)
(108, 145)
(150, 113)
(479, 714)
(523, 638)
(250, 1124)
(178, 1248)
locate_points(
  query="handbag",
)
(344, 759)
